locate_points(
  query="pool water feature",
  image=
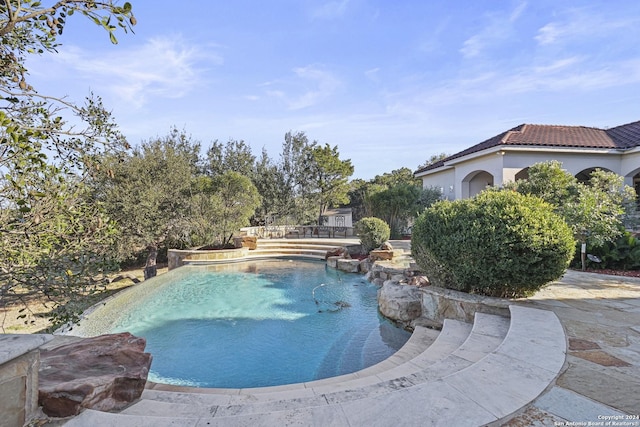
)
(252, 324)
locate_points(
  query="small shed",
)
(338, 217)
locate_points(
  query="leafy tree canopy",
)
(595, 210)
(330, 176)
(233, 156)
(435, 158)
(55, 240)
(147, 192)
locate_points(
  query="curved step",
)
(288, 251)
(487, 390)
(303, 245)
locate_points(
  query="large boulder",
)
(400, 302)
(340, 252)
(349, 265)
(105, 373)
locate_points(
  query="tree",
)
(270, 182)
(360, 195)
(329, 176)
(27, 27)
(396, 205)
(296, 160)
(435, 158)
(550, 182)
(397, 176)
(594, 210)
(221, 206)
(233, 156)
(394, 196)
(148, 193)
(55, 242)
(47, 221)
(428, 197)
(237, 199)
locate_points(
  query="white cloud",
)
(310, 86)
(572, 76)
(164, 67)
(373, 74)
(498, 29)
(583, 25)
(557, 65)
(331, 10)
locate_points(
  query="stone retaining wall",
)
(440, 303)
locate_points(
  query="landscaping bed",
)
(626, 273)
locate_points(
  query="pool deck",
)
(600, 315)
(601, 318)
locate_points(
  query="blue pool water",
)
(253, 324)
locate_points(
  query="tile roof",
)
(621, 137)
(626, 136)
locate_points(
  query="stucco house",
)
(507, 157)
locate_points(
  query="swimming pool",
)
(252, 324)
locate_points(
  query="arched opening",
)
(523, 174)
(475, 182)
(584, 175)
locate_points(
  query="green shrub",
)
(621, 254)
(500, 243)
(372, 232)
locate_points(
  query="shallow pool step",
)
(459, 347)
(487, 390)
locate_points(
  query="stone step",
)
(453, 334)
(302, 245)
(293, 242)
(487, 333)
(288, 251)
(421, 338)
(487, 390)
(435, 362)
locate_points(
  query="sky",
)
(391, 83)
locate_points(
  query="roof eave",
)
(505, 149)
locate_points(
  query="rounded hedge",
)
(372, 232)
(500, 243)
